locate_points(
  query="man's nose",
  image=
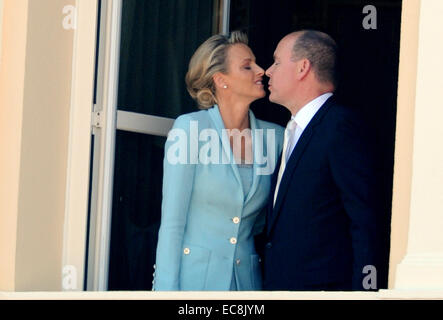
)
(268, 72)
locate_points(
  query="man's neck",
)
(309, 91)
(300, 104)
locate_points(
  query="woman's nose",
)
(260, 71)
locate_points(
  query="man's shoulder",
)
(339, 113)
(344, 120)
(340, 110)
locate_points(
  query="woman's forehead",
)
(240, 52)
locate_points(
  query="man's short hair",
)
(321, 50)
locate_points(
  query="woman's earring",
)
(225, 87)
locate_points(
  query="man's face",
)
(282, 74)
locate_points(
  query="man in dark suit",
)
(321, 231)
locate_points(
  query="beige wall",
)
(39, 106)
(12, 72)
(1, 25)
(422, 266)
(404, 134)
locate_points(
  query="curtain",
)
(158, 40)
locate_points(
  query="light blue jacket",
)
(208, 223)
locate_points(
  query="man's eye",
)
(248, 67)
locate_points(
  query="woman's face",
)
(244, 77)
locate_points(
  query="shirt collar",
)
(308, 111)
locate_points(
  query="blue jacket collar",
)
(214, 112)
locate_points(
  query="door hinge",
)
(96, 120)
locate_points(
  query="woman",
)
(214, 191)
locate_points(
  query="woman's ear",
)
(219, 80)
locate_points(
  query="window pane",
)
(136, 210)
(158, 38)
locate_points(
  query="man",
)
(321, 231)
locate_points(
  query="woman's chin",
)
(262, 94)
(258, 96)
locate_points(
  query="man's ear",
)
(219, 80)
(303, 68)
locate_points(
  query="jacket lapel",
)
(270, 210)
(256, 149)
(224, 140)
(293, 161)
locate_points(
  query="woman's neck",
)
(234, 115)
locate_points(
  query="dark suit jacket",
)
(322, 231)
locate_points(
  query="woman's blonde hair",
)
(208, 59)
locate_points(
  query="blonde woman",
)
(214, 192)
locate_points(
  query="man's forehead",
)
(284, 45)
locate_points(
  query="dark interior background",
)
(158, 39)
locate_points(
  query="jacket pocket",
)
(194, 267)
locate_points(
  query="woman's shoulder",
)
(183, 121)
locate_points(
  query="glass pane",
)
(157, 41)
(136, 210)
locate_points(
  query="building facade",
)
(68, 111)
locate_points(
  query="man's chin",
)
(277, 101)
(272, 99)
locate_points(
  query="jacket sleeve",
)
(354, 171)
(178, 177)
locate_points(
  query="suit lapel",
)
(224, 140)
(293, 162)
(256, 149)
(226, 147)
(290, 167)
(270, 210)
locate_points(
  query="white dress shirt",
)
(302, 119)
(305, 115)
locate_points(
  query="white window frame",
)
(79, 147)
